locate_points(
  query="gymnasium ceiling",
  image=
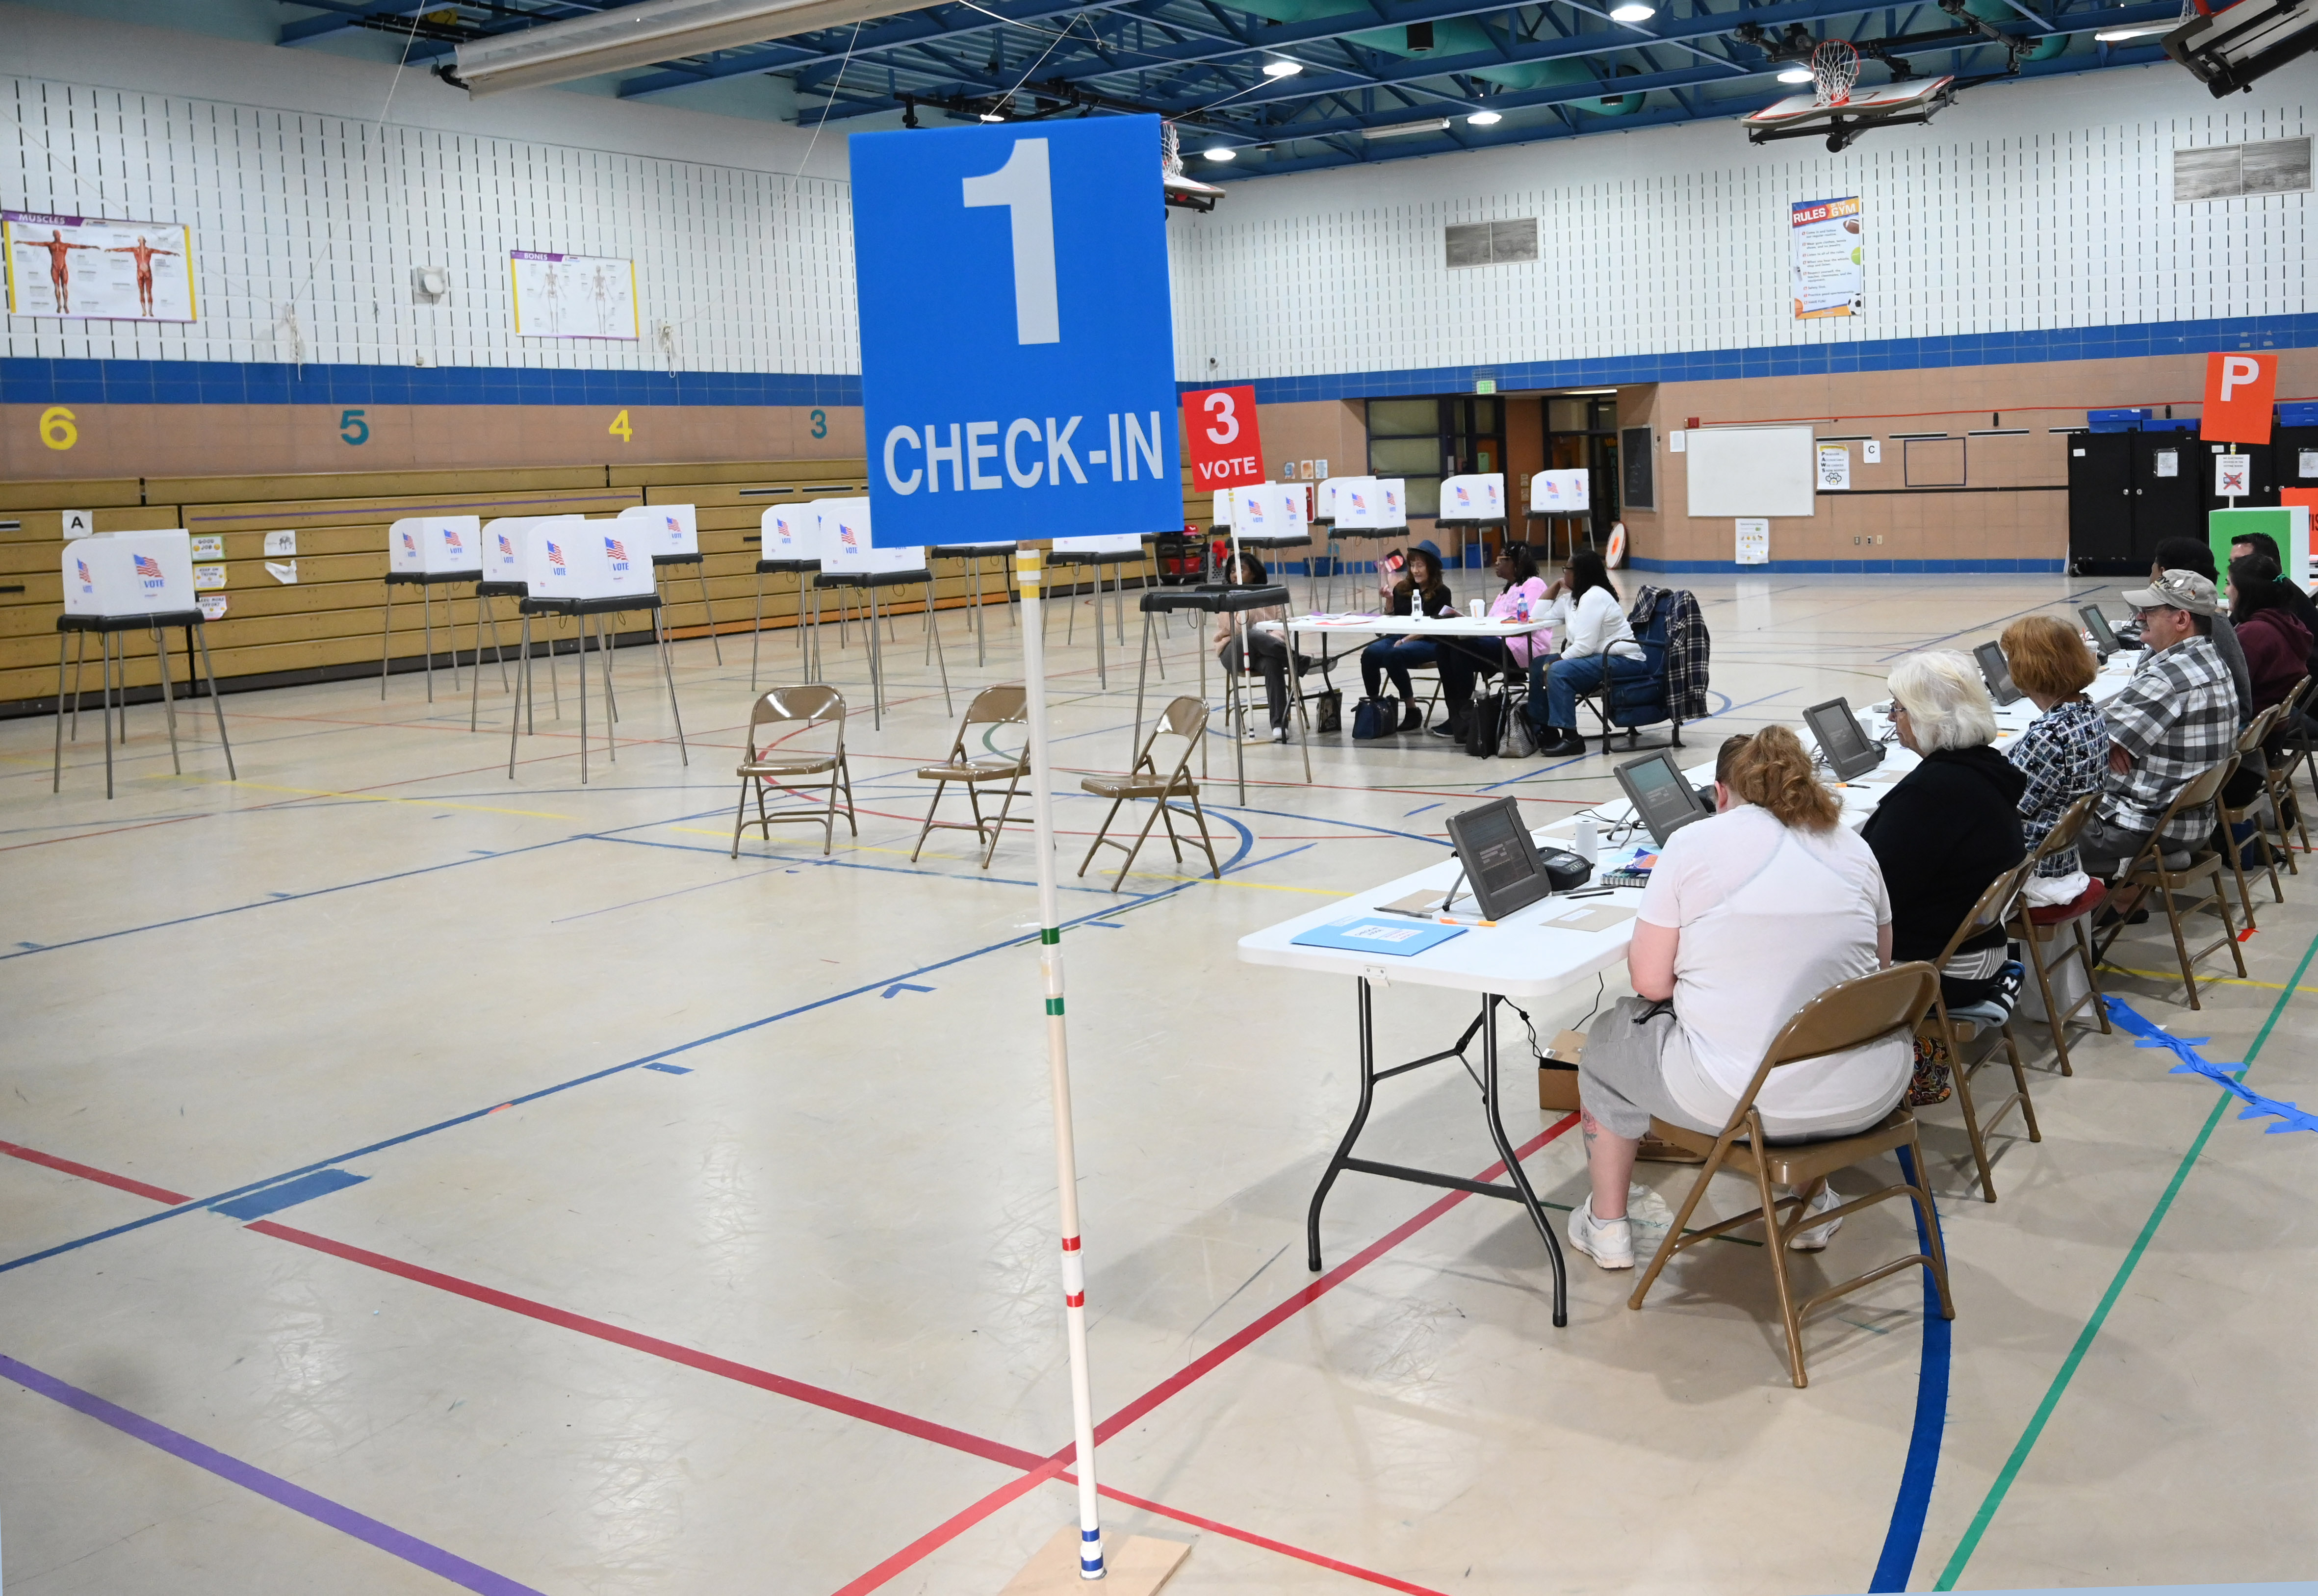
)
(1557, 70)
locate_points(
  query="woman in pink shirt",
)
(1464, 659)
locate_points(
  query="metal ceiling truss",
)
(1200, 62)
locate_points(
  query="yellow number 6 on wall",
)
(620, 428)
(56, 428)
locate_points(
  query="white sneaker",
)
(1816, 1238)
(1648, 1216)
(1609, 1243)
(1279, 734)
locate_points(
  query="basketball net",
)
(1834, 69)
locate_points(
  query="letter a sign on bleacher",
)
(1017, 366)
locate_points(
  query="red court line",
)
(1268, 1543)
(119, 1182)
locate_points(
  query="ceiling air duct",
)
(640, 35)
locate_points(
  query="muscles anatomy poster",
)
(90, 269)
(1829, 258)
(573, 296)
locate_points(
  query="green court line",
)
(2029, 1437)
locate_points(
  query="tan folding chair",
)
(771, 763)
(2292, 751)
(1005, 705)
(2153, 870)
(1889, 1003)
(2250, 812)
(1184, 721)
(2033, 928)
(1959, 1030)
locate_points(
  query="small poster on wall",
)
(87, 269)
(573, 296)
(1754, 542)
(1830, 275)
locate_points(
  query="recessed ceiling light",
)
(1221, 152)
(1484, 118)
(1282, 68)
(1634, 11)
(1795, 75)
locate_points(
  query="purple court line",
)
(434, 1559)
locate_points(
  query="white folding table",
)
(1522, 958)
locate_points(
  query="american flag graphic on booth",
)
(674, 527)
(86, 580)
(409, 545)
(506, 549)
(616, 549)
(845, 536)
(554, 556)
(147, 566)
(451, 538)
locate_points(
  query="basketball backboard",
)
(1893, 104)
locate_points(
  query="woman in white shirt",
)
(1597, 641)
(1748, 915)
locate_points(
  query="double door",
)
(2128, 491)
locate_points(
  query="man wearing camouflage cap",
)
(2176, 720)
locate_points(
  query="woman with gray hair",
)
(1948, 827)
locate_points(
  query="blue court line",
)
(1126, 904)
(268, 902)
(1906, 1534)
(2032, 609)
(657, 897)
(1217, 811)
(258, 1205)
(809, 860)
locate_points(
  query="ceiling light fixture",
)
(1282, 68)
(1221, 152)
(1431, 124)
(2138, 30)
(992, 116)
(1633, 12)
(640, 35)
(1795, 75)
(1484, 118)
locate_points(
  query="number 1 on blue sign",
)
(1021, 185)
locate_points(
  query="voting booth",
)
(584, 559)
(851, 558)
(670, 535)
(502, 578)
(788, 543)
(1562, 501)
(426, 552)
(587, 571)
(1469, 504)
(120, 582)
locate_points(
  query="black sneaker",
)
(1449, 730)
(1412, 720)
(1562, 745)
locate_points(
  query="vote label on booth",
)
(1017, 345)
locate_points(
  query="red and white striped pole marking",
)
(1029, 575)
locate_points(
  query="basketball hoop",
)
(1834, 69)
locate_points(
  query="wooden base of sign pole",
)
(1137, 1565)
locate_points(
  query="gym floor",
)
(670, 1224)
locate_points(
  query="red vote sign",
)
(2240, 391)
(1219, 438)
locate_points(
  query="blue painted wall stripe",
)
(27, 382)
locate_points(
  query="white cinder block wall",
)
(2037, 205)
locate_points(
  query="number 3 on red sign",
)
(1226, 429)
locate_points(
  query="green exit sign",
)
(1485, 385)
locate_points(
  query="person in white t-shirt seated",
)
(1748, 915)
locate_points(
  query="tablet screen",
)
(1839, 738)
(1661, 794)
(1997, 672)
(2097, 625)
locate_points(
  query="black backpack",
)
(1484, 721)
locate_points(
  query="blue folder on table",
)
(1399, 939)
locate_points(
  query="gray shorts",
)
(2104, 849)
(1621, 1074)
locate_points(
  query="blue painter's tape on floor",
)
(258, 1205)
(669, 1068)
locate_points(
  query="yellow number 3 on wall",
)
(56, 428)
(620, 428)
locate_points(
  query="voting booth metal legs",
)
(599, 610)
(869, 582)
(426, 582)
(485, 593)
(808, 653)
(1483, 1024)
(109, 630)
(707, 612)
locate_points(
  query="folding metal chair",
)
(2032, 928)
(768, 764)
(1959, 1028)
(2250, 813)
(2154, 871)
(1185, 720)
(993, 707)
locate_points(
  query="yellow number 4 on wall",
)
(620, 428)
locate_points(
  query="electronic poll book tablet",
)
(1503, 865)
(1846, 749)
(2104, 639)
(1997, 673)
(1662, 796)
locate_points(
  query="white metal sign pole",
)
(1031, 577)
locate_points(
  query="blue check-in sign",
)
(1017, 346)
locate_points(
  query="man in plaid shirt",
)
(2176, 720)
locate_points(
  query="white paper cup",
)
(1478, 609)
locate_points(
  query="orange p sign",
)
(2240, 391)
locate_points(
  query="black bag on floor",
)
(1484, 724)
(1376, 717)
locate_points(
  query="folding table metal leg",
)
(168, 698)
(1491, 1104)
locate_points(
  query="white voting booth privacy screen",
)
(503, 544)
(1473, 497)
(789, 532)
(435, 545)
(1371, 504)
(130, 573)
(846, 546)
(1560, 493)
(567, 559)
(664, 529)
(1269, 509)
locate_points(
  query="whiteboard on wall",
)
(1752, 470)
